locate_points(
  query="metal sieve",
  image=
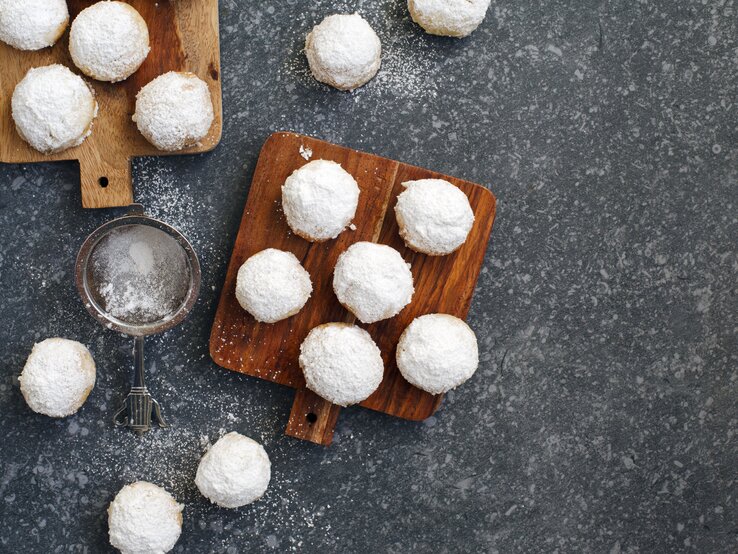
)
(139, 409)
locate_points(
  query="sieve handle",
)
(139, 408)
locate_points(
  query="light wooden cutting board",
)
(184, 37)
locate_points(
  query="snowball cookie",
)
(144, 519)
(174, 110)
(53, 108)
(58, 376)
(341, 363)
(319, 200)
(109, 41)
(32, 24)
(234, 472)
(372, 281)
(434, 216)
(452, 18)
(437, 352)
(272, 285)
(343, 51)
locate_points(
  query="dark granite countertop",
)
(604, 415)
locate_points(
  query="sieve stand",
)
(139, 408)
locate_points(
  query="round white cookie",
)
(341, 363)
(372, 281)
(234, 472)
(272, 285)
(109, 41)
(32, 24)
(343, 51)
(53, 109)
(434, 216)
(319, 200)
(174, 111)
(452, 18)
(58, 377)
(437, 352)
(144, 518)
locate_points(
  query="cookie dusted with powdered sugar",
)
(53, 109)
(234, 472)
(341, 363)
(437, 352)
(144, 517)
(343, 51)
(174, 111)
(58, 377)
(452, 18)
(109, 41)
(32, 24)
(434, 216)
(319, 200)
(372, 281)
(272, 285)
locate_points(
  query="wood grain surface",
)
(442, 284)
(183, 36)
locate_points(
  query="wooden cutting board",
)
(183, 36)
(442, 284)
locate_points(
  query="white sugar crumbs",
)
(140, 273)
(306, 152)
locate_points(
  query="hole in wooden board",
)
(103, 181)
(311, 417)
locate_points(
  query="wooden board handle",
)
(106, 182)
(312, 418)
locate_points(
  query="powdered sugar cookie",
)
(437, 352)
(272, 285)
(434, 216)
(144, 518)
(372, 281)
(32, 24)
(343, 51)
(341, 363)
(174, 110)
(234, 472)
(53, 108)
(109, 41)
(58, 376)
(319, 200)
(453, 18)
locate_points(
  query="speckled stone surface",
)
(604, 415)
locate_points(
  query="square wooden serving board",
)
(183, 36)
(443, 284)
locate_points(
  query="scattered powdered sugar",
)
(140, 273)
(341, 363)
(57, 377)
(32, 24)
